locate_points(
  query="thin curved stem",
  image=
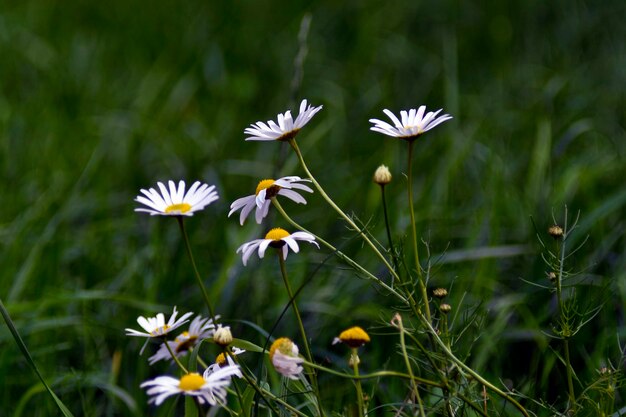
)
(347, 218)
(418, 267)
(178, 362)
(305, 341)
(340, 254)
(354, 358)
(205, 294)
(388, 229)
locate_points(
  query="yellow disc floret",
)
(178, 208)
(160, 330)
(276, 234)
(191, 382)
(354, 337)
(283, 345)
(221, 359)
(265, 184)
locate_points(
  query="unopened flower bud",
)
(556, 231)
(440, 292)
(445, 308)
(552, 276)
(382, 176)
(223, 336)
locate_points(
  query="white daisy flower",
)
(265, 191)
(156, 327)
(277, 238)
(284, 357)
(414, 123)
(174, 202)
(199, 329)
(223, 360)
(286, 128)
(210, 389)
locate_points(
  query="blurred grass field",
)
(98, 100)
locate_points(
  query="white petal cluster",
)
(413, 123)
(156, 326)
(284, 243)
(267, 189)
(285, 127)
(173, 201)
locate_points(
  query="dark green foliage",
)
(100, 99)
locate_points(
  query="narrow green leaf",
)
(30, 361)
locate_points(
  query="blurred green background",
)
(100, 99)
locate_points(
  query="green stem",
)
(347, 218)
(562, 316)
(469, 370)
(418, 267)
(398, 322)
(354, 358)
(307, 349)
(336, 251)
(178, 362)
(292, 300)
(374, 375)
(388, 229)
(205, 294)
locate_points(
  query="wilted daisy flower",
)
(414, 123)
(174, 202)
(286, 128)
(265, 191)
(277, 238)
(199, 329)
(210, 389)
(284, 357)
(354, 337)
(224, 360)
(156, 327)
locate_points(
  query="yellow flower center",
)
(276, 234)
(178, 208)
(159, 330)
(354, 337)
(263, 185)
(283, 345)
(191, 382)
(271, 190)
(186, 343)
(221, 359)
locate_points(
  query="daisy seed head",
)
(382, 176)
(445, 308)
(440, 292)
(556, 231)
(354, 337)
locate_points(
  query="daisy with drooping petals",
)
(284, 357)
(210, 389)
(277, 238)
(414, 123)
(224, 360)
(286, 128)
(199, 329)
(175, 202)
(265, 191)
(156, 327)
